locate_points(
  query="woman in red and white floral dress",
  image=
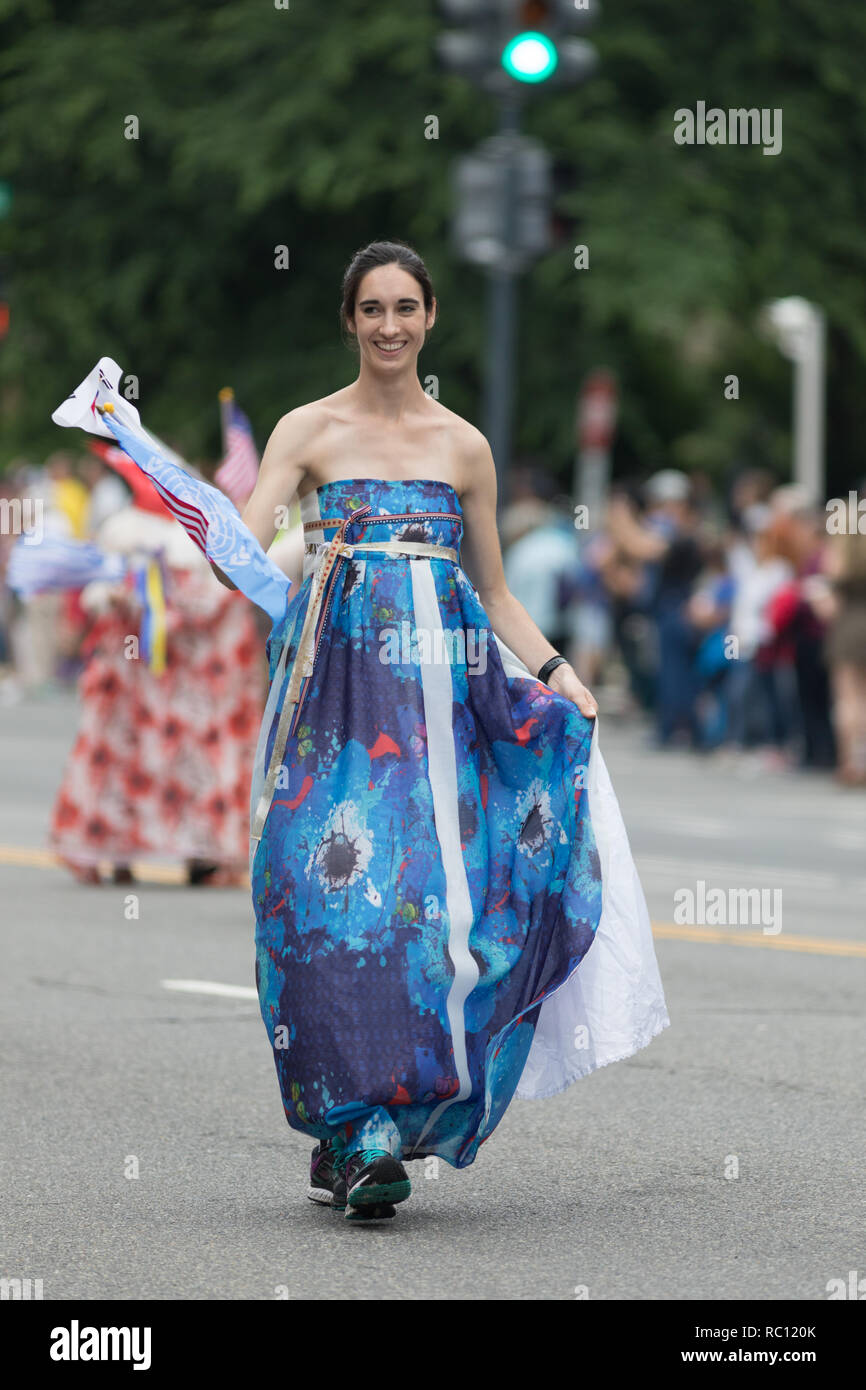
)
(160, 768)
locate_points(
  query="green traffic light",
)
(530, 57)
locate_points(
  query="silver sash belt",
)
(322, 591)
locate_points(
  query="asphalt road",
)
(623, 1186)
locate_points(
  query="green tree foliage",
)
(304, 127)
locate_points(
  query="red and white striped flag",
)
(207, 514)
(239, 470)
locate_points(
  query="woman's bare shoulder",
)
(471, 453)
(309, 416)
(303, 428)
(466, 441)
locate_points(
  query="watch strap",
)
(551, 665)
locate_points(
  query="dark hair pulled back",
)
(380, 253)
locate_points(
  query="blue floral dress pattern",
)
(427, 874)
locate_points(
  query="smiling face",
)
(390, 320)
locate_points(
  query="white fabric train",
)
(613, 1004)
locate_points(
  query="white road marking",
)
(211, 987)
(846, 839)
(689, 869)
(697, 827)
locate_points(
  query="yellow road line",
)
(663, 931)
(714, 936)
(28, 858)
(44, 859)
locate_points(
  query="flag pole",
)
(226, 396)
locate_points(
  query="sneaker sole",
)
(322, 1195)
(373, 1193)
(379, 1211)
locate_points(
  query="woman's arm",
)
(482, 561)
(638, 541)
(280, 473)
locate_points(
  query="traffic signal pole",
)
(502, 318)
(503, 188)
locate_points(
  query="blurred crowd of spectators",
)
(735, 623)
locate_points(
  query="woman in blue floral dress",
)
(447, 911)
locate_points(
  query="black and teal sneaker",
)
(376, 1211)
(327, 1180)
(374, 1179)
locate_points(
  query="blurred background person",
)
(623, 579)
(107, 492)
(753, 485)
(539, 548)
(754, 690)
(708, 611)
(67, 496)
(586, 595)
(800, 538)
(664, 541)
(161, 764)
(843, 609)
(38, 646)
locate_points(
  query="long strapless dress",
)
(447, 910)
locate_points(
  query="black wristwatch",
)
(550, 665)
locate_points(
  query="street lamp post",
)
(799, 330)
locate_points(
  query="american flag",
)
(208, 517)
(174, 489)
(239, 470)
(206, 513)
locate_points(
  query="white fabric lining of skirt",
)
(438, 702)
(613, 1003)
